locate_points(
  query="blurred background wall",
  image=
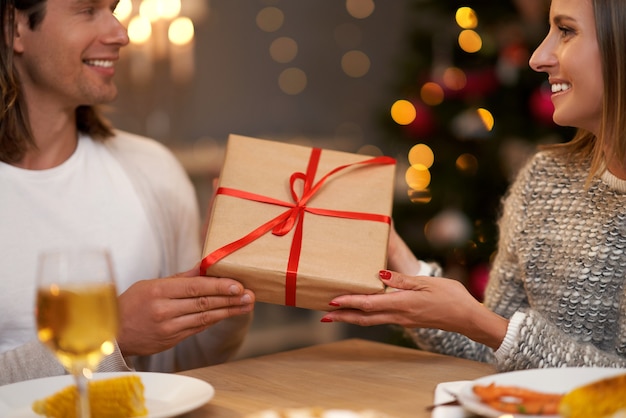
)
(443, 86)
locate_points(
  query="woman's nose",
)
(543, 57)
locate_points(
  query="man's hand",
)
(157, 314)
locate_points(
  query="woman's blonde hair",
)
(610, 20)
(15, 133)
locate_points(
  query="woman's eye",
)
(565, 31)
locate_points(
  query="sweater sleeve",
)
(33, 360)
(505, 293)
(28, 361)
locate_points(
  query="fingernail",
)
(245, 299)
(233, 290)
(326, 320)
(384, 274)
(334, 304)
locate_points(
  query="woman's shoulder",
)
(552, 164)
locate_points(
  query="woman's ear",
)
(20, 26)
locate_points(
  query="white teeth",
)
(100, 63)
(560, 87)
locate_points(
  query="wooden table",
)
(349, 374)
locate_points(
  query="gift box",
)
(300, 225)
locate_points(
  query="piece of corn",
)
(109, 398)
(600, 399)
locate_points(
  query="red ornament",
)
(424, 123)
(479, 276)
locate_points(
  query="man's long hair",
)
(15, 134)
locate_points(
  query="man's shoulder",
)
(139, 153)
(128, 142)
(140, 150)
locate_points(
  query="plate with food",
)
(570, 392)
(148, 395)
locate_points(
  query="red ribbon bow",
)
(284, 222)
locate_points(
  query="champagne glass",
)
(76, 312)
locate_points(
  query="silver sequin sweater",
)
(560, 273)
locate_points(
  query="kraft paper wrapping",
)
(338, 256)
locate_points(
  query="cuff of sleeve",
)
(114, 362)
(428, 269)
(511, 333)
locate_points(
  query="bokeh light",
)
(283, 50)
(467, 164)
(159, 9)
(419, 196)
(432, 93)
(466, 18)
(421, 155)
(355, 63)
(181, 31)
(139, 30)
(417, 177)
(454, 78)
(360, 9)
(403, 112)
(470, 41)
(487, 118)
(292, 81)
(270, 19)
(123, 9)
(107, 348)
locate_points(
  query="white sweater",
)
(560, 273)
(162, 231)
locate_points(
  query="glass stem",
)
(82, 405)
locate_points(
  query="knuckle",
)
(191, 289)
(206, 319)
(366, 305)
(203, 303)
(159, 313)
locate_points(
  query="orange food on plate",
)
(517, 400)
(604, 398)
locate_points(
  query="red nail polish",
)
(384, 274)
(326, 320)
(335, 304)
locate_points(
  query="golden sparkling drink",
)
(78, 322)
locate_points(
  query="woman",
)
(557, 290)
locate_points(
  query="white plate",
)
(167, 395)
(555, 380)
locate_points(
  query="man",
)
(67, 179)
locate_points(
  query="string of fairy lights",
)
(432, 93)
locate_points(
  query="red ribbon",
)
(284, 222)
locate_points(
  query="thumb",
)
(193, 272)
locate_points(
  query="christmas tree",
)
(469, 113)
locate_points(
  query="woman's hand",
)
(422, 302)
(157, 314)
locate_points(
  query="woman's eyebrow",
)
(563, 18)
